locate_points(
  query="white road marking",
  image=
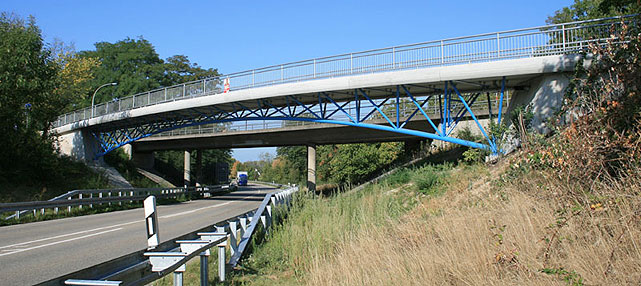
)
(193, 211)
(62, 241)
(110, 229)
(70, 234)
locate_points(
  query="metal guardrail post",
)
(243, 226)
(221, 261)
(233, 237)
(268, 217)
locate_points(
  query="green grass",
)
(315, 226)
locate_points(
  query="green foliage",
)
(133, 64)
(136, 67)
(400, 177)
(74, 75)
(593, 9)
(473, 155)
(120, 161)
(29, 166)
(428, 178)
(570, 277)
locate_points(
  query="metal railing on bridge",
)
(512, 44)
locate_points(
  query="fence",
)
(522, 43)
(101, 196)
(235, 233)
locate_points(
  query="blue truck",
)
(242, 178)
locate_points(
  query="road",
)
(36, 252)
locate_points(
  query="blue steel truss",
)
(454, 106)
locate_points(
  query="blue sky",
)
(234, 36)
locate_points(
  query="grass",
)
(454, 225)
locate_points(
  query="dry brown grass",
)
(490, 237)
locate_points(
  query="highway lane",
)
(36, 252)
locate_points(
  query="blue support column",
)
(445, 111)
(398, 103)
(501, 101)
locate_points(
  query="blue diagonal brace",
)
(339, 107)
(421, 110)
(377, 108)
(492, 145)
(304, 106)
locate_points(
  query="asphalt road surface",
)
(36, 252)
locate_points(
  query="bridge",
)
(424, 90)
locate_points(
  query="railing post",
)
(178, 278)
(221, 256)
(253, 77)
(393, 57)
(17, 215)
(80, 197)
(498, 46)
(442, 52)
(563, 35)
(282, 74)
(204, 270)
(165, 94)
(314, 68)
(69, 207)
(351, 63)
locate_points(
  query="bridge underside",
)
(314, 134)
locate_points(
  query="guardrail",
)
(101, 196)
(172, 256)
(521, 43)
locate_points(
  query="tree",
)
(136, 67)
(29, 164)
(593, 9)
(132, 63)
(179, 69)
(75, 75)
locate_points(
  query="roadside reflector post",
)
(151, 221)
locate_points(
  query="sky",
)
(234, 36)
